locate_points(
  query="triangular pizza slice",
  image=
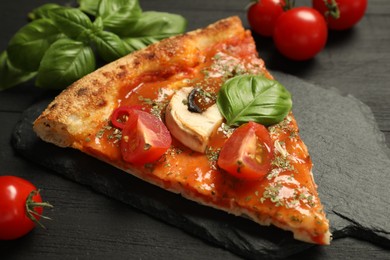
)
(199, 115)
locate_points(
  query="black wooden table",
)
(89, 225)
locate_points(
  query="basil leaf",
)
(27, 47)
(109, 46)
(98, 24)
(253, 98)
(118, 15)
(136, 43)
(89, 35)
(64, 62)
(153, 27)
(71, 21)
(89, 6)
(42, 11)
(11, 76)
(157, 24)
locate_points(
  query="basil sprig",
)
(64, 62)
(62, 44)
(27, 47)
(253, 98)
(9, 75)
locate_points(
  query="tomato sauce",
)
(287, 194)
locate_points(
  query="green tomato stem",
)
(30, 208)
(333, 9)
(289, 4)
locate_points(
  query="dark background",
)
(89, 225)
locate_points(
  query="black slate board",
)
(351, 168)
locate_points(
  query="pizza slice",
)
(199, 115)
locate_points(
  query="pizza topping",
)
(145, 138)
(158, 104)
(120, 116)
(191, 129)
(253, 98)
(248, 153)
(200, 100)
(212, 155)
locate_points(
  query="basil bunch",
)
(62, 44)
(253, 98)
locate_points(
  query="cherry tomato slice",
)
(351, 12)
(145, 138)
(119, 116)
(262, 15)
(300, 33)
(248, 152)
(14, 220)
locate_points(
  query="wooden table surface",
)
(89, 225)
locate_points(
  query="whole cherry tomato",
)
(262, 15)
(350, 12)
(21, 207)
(248, 152)
(145, 138)
(300, 33)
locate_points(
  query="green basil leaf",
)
(152, 27)
(157, 24)
(65, 62)
(109, 46)
(98, 24)
(89, 6)
(253, 98)
(42, 11)
(27, 47)
(11, 76)
(136, 43)
(89, 35)
(118, 15)
(71, 21)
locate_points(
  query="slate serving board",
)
(351, 168)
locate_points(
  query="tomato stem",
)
(289, 5)
(30, 208)
(333, 9)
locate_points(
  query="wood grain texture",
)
(89, 225)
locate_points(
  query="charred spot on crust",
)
(106, 74)
(150, 56)
(95, 82)
(121, 74)
(82, 91)
(136, 63)
(53, 106)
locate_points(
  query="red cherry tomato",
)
(15, 194)
(300, 33)
(248, 152)
(351, 11)
(119, 116)
(262, 15)
(145, 138)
